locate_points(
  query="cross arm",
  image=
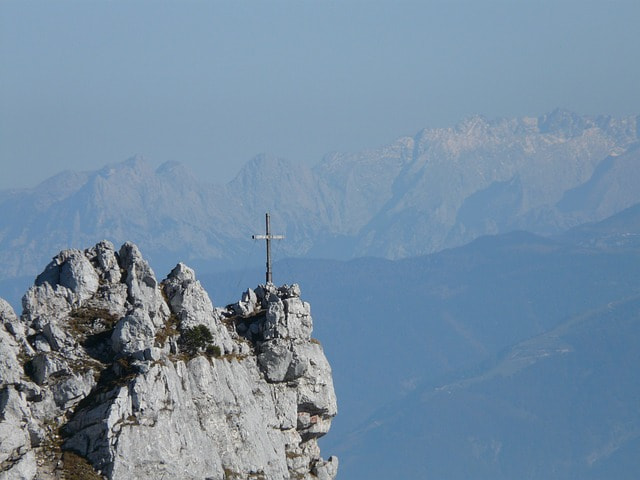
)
(267, 237)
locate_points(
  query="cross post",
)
(268, 237)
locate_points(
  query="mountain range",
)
(437, 189)
(475, 287)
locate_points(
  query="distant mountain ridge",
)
(437, 189)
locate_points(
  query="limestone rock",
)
(17, 459)
(190, 303)
(44, 302)
(142, 287)
(326, 470)
(105, 260)
(7, 315)
(10, 367)
(274, 359)
(146, 379)
(78, 275)
(71, 269)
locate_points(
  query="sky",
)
(213, 83)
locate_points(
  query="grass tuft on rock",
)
(76, 467)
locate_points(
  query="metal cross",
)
(268, 237)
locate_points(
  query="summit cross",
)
(268, 237)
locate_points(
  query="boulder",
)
(78, 275)
(274, 359)
(133, 333)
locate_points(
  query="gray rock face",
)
(145, 379)
(9, 365)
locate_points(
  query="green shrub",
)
(213, 351)
(196, 339)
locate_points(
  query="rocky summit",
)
(109, 373)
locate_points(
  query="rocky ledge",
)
(109, 373)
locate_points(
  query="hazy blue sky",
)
(211, 84)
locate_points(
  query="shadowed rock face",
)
(110, 371)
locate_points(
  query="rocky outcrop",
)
(109, 373)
